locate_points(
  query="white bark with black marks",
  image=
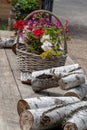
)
(79, 92)
(57, 71)
(42, 102)
(54, 117)
(78, 121)
(6, 42)
(26, 77)
(45, 81)
(46, 118)
(71, 81)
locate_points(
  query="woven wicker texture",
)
(29, 62)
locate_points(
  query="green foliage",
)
(13, 2)
(24, 7)
(50, 53)
(56, 36)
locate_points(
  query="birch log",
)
(78, 121)
(6, 42)
(48, 81)
(71, 81)
(79, 92)
(42, 102)
(41, 83)
(25, 77)
(46, 118)
(56, 71)
(55, 116)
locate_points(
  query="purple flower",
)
(67, 30)
(21, 34)
(57, 23)
(35, 23)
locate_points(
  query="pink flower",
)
(35, 23)
(67, 23)
(29, 22)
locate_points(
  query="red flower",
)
(19, 24)
(38, 32)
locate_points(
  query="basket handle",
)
(46, 11)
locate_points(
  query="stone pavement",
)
(77, 50)
(75, 12)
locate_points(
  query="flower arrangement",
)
(43, 36)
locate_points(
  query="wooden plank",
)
(9, 96)
(25, 90)
(6, 33)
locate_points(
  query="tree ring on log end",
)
(21, 106)
(26, 120)
(70, 126)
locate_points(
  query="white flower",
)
(44, 37)
(25, 29)
(21, 40)
(46, 46)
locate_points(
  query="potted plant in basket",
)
(43, 35)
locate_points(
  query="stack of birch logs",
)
(67, 112)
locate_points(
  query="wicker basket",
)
(29, 62)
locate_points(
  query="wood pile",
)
(67, 112)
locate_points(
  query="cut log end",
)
(21, 106)
(71, 94)
(70, 126)
(26, 82)
(26, 120)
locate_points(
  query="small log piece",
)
(78, 121)
(79, 92)
(59, 72)
(42, 102)
(46, 118)
(49, 78)
(43, 82)
(71, 81)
